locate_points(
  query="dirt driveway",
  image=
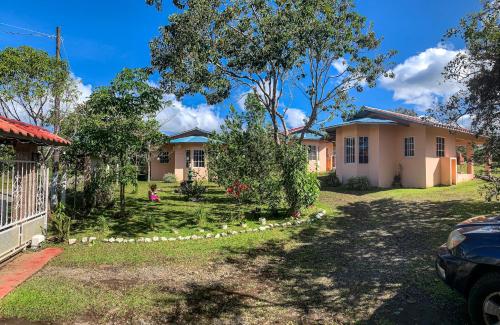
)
(371, 265)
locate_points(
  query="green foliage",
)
(102, 225)
(201, 218)
(208, 47)
(98, 191)
(478, 69)
(333, 180)
(29, 80)
(60, 223)
(301, 187)
(360, 183)
(117, 125)
(491, 189)
(244, 152)
(192, 191)
(406, 111)
(169, 178)
(151, 222)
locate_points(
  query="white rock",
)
(91, 239)
(172, 239)
(84, 240)
(202, 230)
(234, 232)
(155, 238)
(224, 227)
(164, 238)
(194, 237)
(208, 236)
(147, 240)
(223, 234)
(119, 240)
(112, 240)
(72, 241)
(140, 240)
(262, 228)
(105, 240)
(37, 240)
(217, 236)
(262, 221)
(244, 225)
(131, 240)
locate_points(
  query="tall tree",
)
(211, 46)
(477, 68)
(117, 123)
(29, 81)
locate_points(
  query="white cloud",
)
(84, 90)
(419, 80)
(340, 65)
(177, 117)
(465, 121)
(295, 117)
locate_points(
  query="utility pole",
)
(57, 127)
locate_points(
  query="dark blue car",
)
(470, 263)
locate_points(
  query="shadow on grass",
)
(374, 264)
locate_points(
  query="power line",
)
(32, 32)
(65, 53)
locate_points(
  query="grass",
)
(371, 261)
(174, 215)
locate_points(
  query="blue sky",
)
(103, 37)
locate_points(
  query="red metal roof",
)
(14, 129)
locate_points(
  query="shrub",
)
(491, 189)
(151, 222)
(195, 190)
(301, 187)
(201, 218)
(360, 183)
(333, 180)
(169, 178)
(60, 223)
(102, 224)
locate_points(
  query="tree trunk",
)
(122, 199)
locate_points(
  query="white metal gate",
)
(23, 204)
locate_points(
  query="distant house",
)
(380, 144)
(187, 149)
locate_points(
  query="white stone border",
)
(298, 222)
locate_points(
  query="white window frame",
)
(440, 147)
(197, 154)
(349, 150)
(359, 150)
(312, 152)
(409, 147)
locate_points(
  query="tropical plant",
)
(169, 178)
(151, 222)
(192, 191)
(333, 179)
(491, 189)
(358, 183)
(60, 223)
(201, 218)
(102, 225)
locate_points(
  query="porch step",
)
(22, 267)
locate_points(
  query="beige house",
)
(381, 144)
(187, 149)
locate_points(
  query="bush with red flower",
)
(238, 190)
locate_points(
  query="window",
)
(409, 147)
(163, 157)
(349, 150)
(312, 152)
(188, 158)
(363, 150)
(439, 147)
(199, 158)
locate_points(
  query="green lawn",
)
(175, 215)
(370, 261)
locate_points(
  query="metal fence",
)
(23, 204)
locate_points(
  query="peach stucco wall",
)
(386, 155)
(177, 163)
(325, 151)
